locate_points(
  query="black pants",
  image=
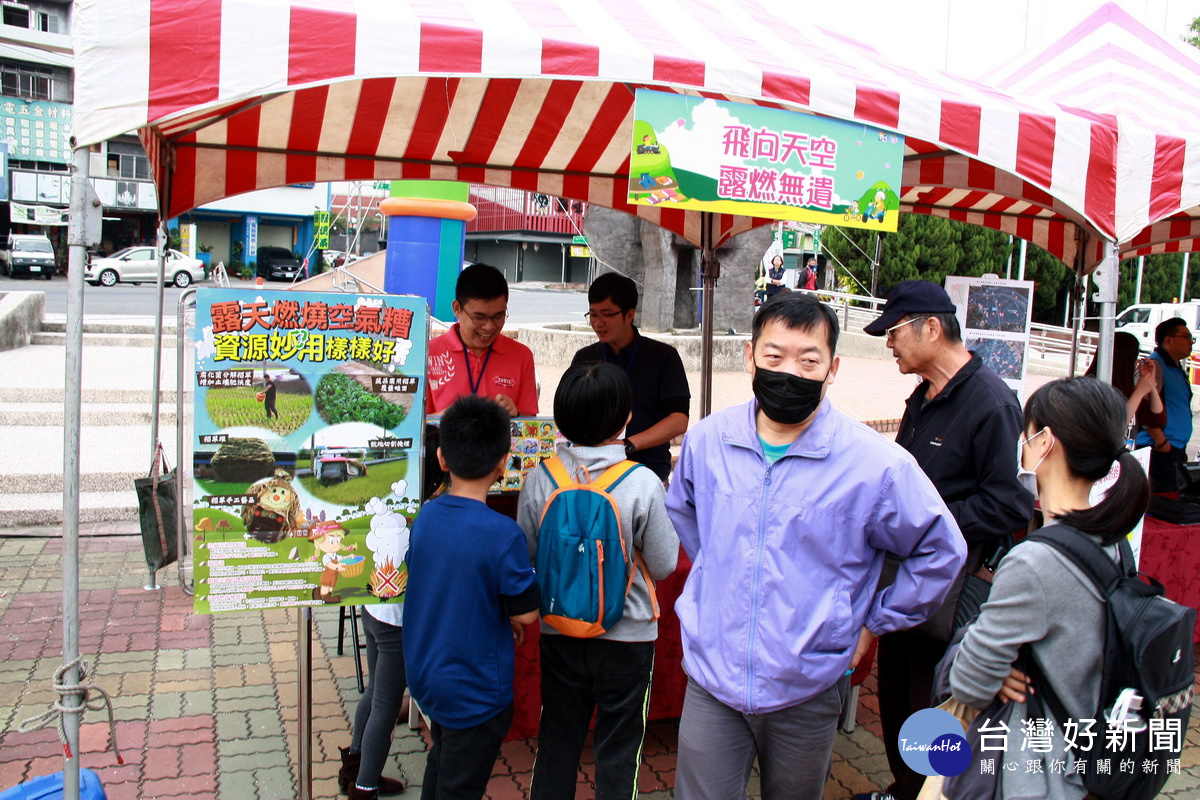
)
(906, 660)
(580, 676)
(1164, 474)
(375, 717)
(461, 759)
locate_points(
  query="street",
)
(525, 306)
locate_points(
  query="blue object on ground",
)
(50, 787)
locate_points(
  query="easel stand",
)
(304, 664)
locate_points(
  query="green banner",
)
(321, 223)
(713, 155)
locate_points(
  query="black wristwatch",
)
(630, 448)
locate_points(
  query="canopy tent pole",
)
(1078, 303)
(1106, 286)
(72, 416)
(709, 272)
(155, 386)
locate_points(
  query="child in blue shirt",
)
(470, 586)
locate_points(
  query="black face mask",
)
(786, 398)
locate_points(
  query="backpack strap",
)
(557, 471)
(614, 475)
(1085, 553)
(640, 563)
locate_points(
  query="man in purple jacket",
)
(786, 507)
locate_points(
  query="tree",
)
(932, 248)
(1193, 37)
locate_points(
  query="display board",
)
(994, 314)
(534, 439)
(307, 446)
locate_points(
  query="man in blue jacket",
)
(786, 507)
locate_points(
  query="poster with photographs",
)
(995, 314)
(534, 439)
(306, 448)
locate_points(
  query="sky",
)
(971, 37)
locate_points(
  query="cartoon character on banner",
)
(327, 539)
(275, 511)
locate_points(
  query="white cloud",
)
(388, 539)
(403, 348)
(205, 346)
(695, 147)
(400, 487)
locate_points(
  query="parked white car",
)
(138, 265)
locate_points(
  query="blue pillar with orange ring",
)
(427, 225)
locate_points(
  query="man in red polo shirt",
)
(474, 357)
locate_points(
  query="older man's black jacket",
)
(965, 439)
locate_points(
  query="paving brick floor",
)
(205, 707)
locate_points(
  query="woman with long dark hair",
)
(1074, 433)
(1138, 379)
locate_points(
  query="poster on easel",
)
(994, 314)
(306, 447)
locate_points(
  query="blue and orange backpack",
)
(583, 570)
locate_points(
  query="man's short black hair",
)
(480, 282)
(592, 403)
(1166, 328)
(950, 327)
(475, 435)
(616, 287)
(798, 311)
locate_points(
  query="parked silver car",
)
(138, 265)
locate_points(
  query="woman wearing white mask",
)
(1074, 433)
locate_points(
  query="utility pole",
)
(875, 265)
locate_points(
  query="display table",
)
(666, 693)
(1169, 554)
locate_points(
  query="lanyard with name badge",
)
(472, 381)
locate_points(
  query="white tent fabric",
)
(1110, 66)
(235, 95)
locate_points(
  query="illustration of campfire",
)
(387, 581)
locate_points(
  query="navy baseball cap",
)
(909, 298)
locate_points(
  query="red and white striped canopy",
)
(235, 95)
(1112, 67)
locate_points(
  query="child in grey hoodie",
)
(609, 674)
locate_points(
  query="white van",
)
(1141, 320)
(29, 253)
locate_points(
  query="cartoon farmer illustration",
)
(327, 539)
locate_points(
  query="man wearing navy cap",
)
(961, 425)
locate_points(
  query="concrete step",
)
(125, 449)
(46, 508)
(91, 414)
(134, 325)
(147, 339)
(45, 482)
(12, 394)
(42, 367)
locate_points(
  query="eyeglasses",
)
(890, 332)
(483, 319)
(1189, 337)
(592, 316)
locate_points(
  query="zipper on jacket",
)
(758, 548)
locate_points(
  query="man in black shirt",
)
(961, 425)
(661, 398)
